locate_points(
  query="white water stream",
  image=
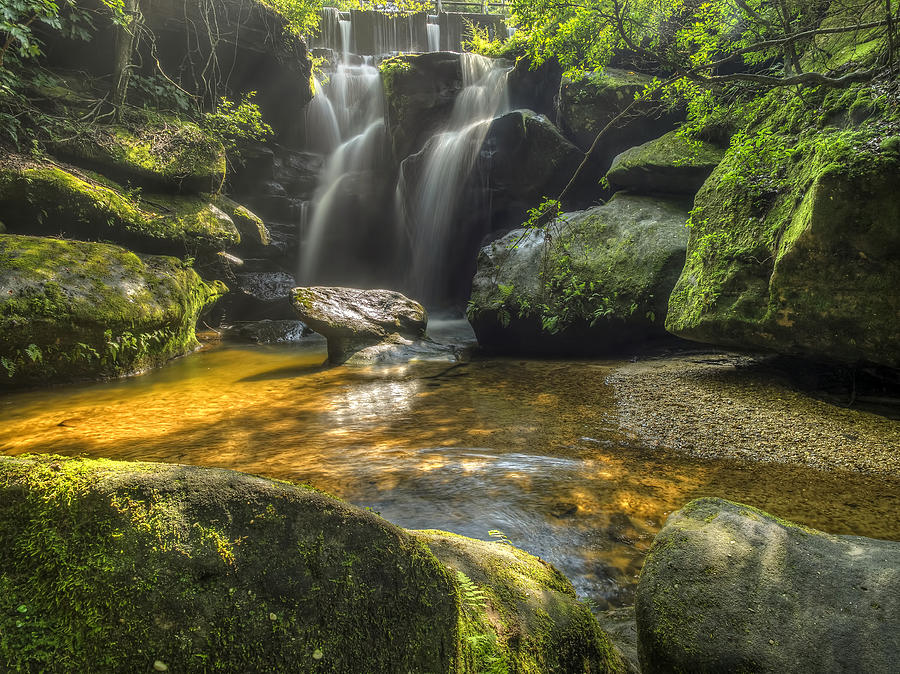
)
(346, 122)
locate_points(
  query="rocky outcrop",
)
(729, 588)
(352, 319)
(535, 88)
(670, 164)
(58, 200)
(419, 91)
(794, 241)
(246, 44)
(72, 310)
(158, 154)
(179, 568)
(587, 105)
(593, 282)
(524, 157)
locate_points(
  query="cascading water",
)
(431, 183)
(350, 238)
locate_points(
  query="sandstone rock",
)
(353, 319)
(729, 588)
(55, 200)
(796, 251)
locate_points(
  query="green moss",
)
(84, 310)
(109, 566)
(519, 613)
(159, 152)
(804, 197)
(43, 198)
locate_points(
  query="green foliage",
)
(402, 7)
(231, 123)
(478, 40)
(302, 16)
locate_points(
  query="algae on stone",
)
(159, 154)
(111, 566)
(794, 239)
(51, 199)
(519, 614)
(74, 310)
(670, 164)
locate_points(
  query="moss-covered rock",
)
(112, 566)
(794, 243)
(253, 231)
(729, 588)
(592, 282)
(670, 164)
(519, 614)
(56, 200)
(588, 104)
(72, 310)
(160, 154)
(419, 92)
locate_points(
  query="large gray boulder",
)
(352, 319)
(596, 281)
(670, 164)
(729, 588)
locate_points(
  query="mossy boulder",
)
(794, 243)
(729, 588)
(113, 566)
(159, 155)
(519, 613)
(595, 281)
(589, 103)
(670, 164)
(56, 200)
(72, 310)
(419, 92)
(254, 235)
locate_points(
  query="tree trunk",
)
(126, 42)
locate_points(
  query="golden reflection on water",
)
(526, 447)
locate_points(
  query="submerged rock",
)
(195, 569)
(795, 250)
(729, 588)
(669, 164)
(72, 310)
(595, 281)
(54, 200)
(353, 319)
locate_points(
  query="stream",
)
(523, 447)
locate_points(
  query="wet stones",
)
(353, 319)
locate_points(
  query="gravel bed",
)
(719, 405)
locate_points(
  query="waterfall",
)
(433, 32)
(431, 183)
(372, 222)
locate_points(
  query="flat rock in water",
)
(353, 319)
(729, 588)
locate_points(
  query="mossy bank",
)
(74, 310)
